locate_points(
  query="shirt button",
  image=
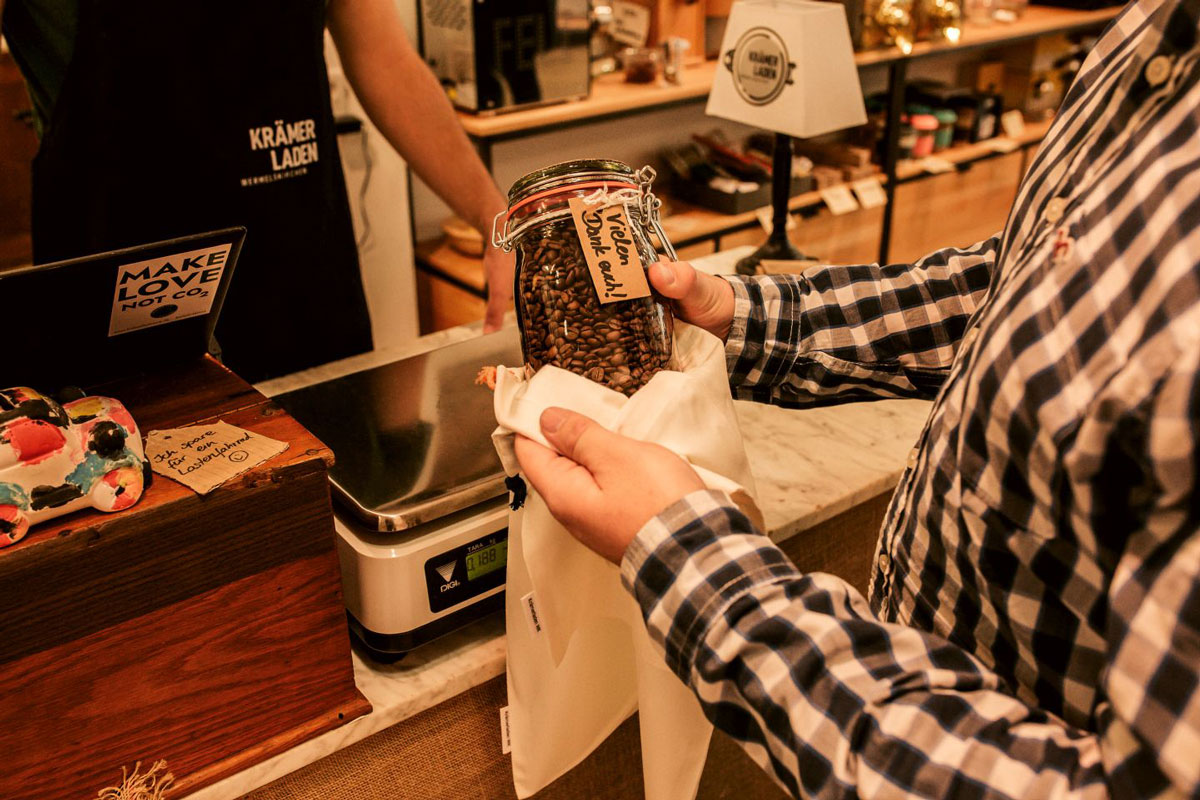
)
(1158, 69)
(1055, 209)
(912, 457)
(885, 561)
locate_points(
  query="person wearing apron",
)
(173, 119)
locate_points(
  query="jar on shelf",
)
(946, 120)
(640, 64)
(888, 23)
(925, 126)
(939, 20)
(583, 299)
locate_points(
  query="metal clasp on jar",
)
(650, 209)
(504, 239)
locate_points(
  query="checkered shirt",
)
(1034, 623)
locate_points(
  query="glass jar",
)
(619, 344)
(939, 20)
(889, 22)
(640, 64)
(945, 132)
(925, 126)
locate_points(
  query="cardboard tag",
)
(838, 199)
(202, 457)
(612, 257)
(531, 615)
(1000, 144)
(935, 165)
(870, 192)
(1013, 123)
(631, 23)
(166, 289)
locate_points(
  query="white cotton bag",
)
(579, 658)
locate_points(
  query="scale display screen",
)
(481, 562)
(469, 570)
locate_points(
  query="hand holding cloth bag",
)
(579, 658)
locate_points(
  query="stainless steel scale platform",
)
(420, 504)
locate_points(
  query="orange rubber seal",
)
(573, 187)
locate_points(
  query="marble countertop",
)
(809, 465)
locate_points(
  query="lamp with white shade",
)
(788, 67)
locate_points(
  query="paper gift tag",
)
(936, 165)
(870, 192)
(631, 23)
(202, 457)
(1013, 122)
(608, 246)
(838, 199)
(1000, 144)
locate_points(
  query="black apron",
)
(177, 118)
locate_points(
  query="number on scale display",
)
(489, 559)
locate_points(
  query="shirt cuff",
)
(686, 566)
(735, 342)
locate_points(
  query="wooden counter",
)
(204, 630)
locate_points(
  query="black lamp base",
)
(777, 247)
(771, 250)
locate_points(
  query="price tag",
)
(766, 216)
(1000, 144)
(612, 258)
(1013, 123)
(870, 192)
(505, 732)
(631, 23)
(935, 165)
(838, 199)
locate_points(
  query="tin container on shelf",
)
(945, 132)
(888, 23)
(581, 231)
(926, 126)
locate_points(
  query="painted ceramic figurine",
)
(55, 459)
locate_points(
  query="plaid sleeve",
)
(844, 333)
(1148, 476)
(836, 704)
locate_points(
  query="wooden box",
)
(205, 630)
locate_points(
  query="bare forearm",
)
(404, 100)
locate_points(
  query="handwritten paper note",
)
(838, 199)
(202, 457)
(630, 23)
(612, 257)
(870, 192)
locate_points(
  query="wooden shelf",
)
(1036, 21)
(612, 96)
(907, 170)
(687, 224)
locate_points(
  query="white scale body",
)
(420, 502)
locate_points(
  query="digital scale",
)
(420, 505)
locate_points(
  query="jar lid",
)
(946, 115)
(569, 172)
(918, 108)
(924, 122)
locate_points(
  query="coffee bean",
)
(620, 345)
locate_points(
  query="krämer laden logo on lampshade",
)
(760, 66)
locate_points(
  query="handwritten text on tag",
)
(202, 457)
(611, 254)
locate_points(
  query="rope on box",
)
(151, 786)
